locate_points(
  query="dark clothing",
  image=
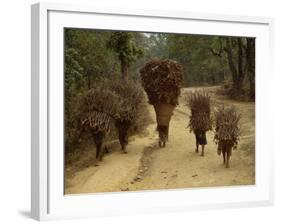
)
(201, 138)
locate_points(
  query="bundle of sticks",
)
(96, 108)
(227, 125)
(132, 113)
(200, 118)
(97, 122)
(100, 99)
(162, 80)
(132, 99)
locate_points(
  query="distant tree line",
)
(210, 60)
(207, 60)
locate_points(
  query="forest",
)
(207, 60)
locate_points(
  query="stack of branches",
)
(113, 102)
(101, 99)
(97, 122)
(200, 118)
(162, 80)
(96, 108)
(132, 109)
(130, 117)
(227, 125)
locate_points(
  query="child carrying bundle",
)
(226, 131)
(200, 120)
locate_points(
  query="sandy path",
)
(148, 167)
(115, 171)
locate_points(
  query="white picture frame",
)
(48, 200)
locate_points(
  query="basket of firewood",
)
(162, 80)
(200, 118)
(227, 125)
(227, 131)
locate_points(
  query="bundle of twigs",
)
(97, 121)
(96, 107)
(101, 99)
(132, 108)
(227, 125)
(132, 98)
(131, 115)
(162, 80)
(200, 118)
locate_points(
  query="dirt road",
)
(147, 167)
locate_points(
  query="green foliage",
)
(73, 73)
(123, 44)
(93, 56)
(194, 53)
(157, 46)
(73, 84)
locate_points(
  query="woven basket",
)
(164, 113)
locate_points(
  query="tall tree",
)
(250, 54)
(157, 46)
(240, 52)
(193, 52)
(234, 49)
(123, 44)
(93, 55)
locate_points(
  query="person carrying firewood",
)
(201, 139)
(162, 80)
(226, 131)
(200, 120)
(94, 116)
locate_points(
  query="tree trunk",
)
(231, 64)
(89, 80)
(236, 71)
(124, 69)
(241, 74)
(250, 52)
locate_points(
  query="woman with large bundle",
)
(200, 120)
(227, 131)
(94, 115)
(162, 80)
